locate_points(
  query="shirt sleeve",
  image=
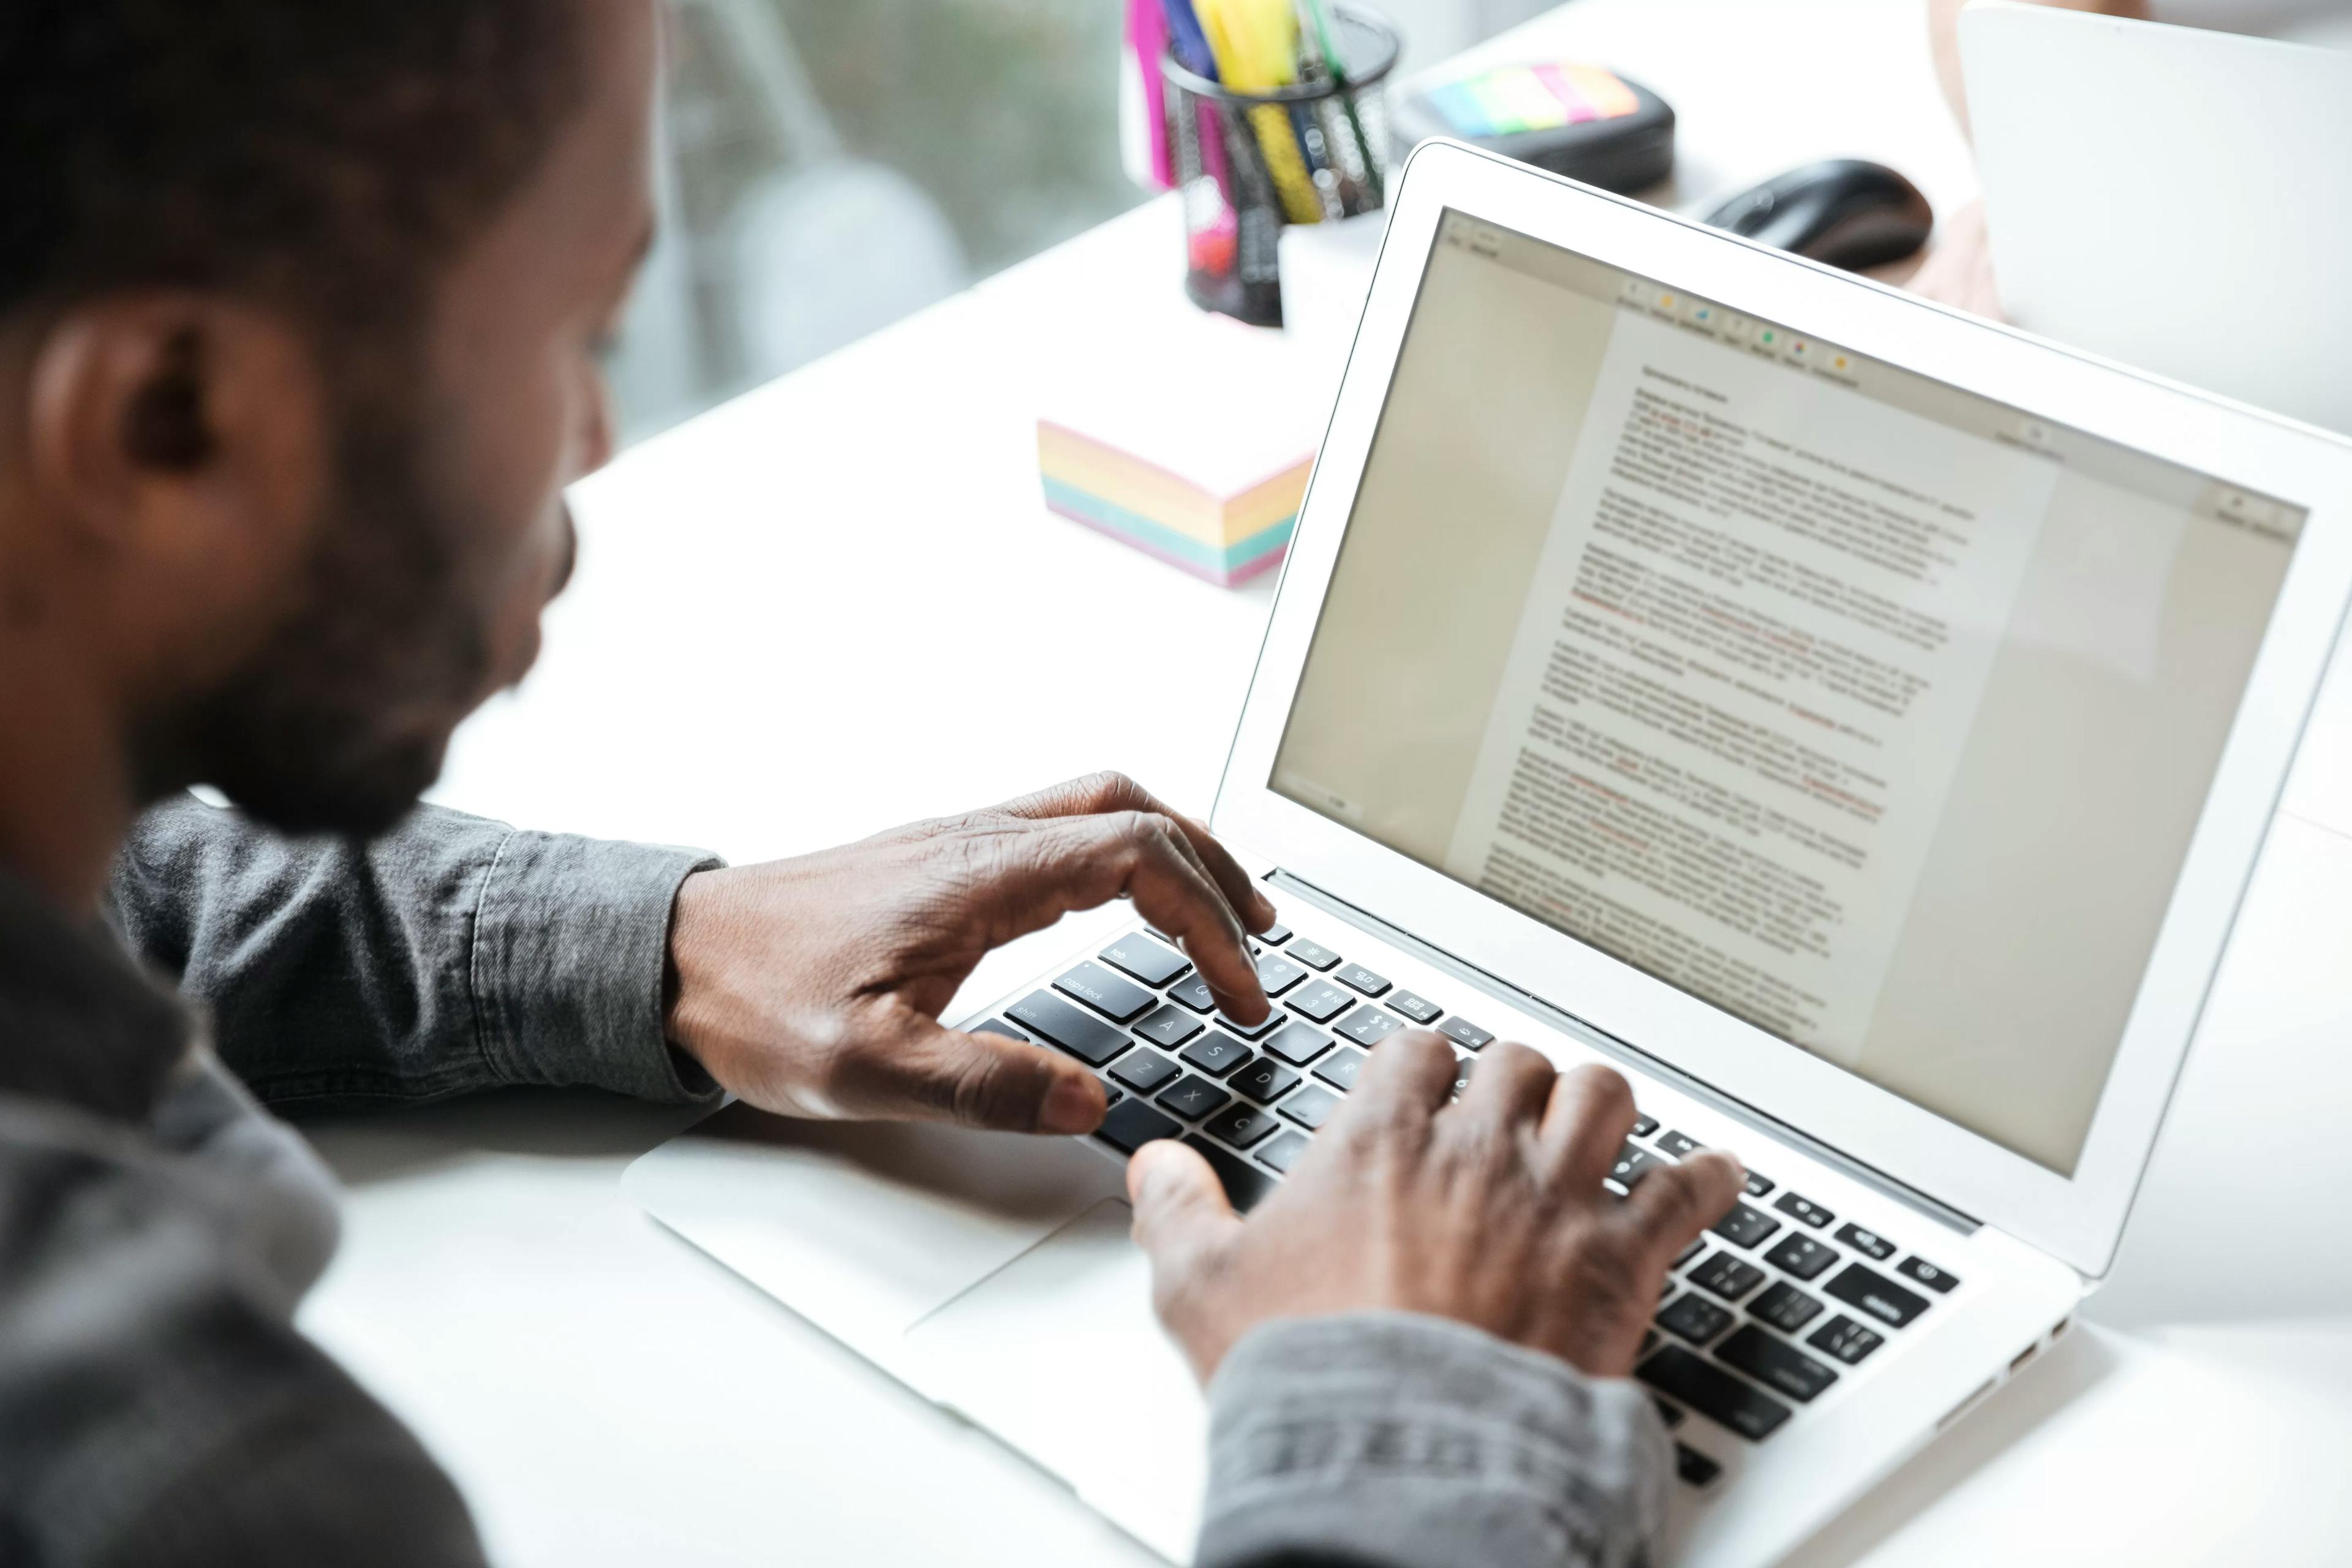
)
(451, 955)
(1390, 1440)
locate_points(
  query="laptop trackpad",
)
(862, 1228)
(1059, 1355)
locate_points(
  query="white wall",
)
(1435, 29)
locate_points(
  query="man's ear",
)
(185, 436)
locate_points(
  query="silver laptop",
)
(2172, 197)
(1856, 722)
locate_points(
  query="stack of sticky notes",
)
(1187, 435)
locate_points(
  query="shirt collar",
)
(78, 1020)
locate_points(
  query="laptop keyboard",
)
(1758, 1318)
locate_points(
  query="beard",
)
(338, 722)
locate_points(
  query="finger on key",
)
(1591, 1115)
(1173, 893)
(1509, 1086)
(1411, 1071)
(1674, 1203)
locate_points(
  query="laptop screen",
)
(1873, 713)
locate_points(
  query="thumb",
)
(1182, 1213)
(993, 1081)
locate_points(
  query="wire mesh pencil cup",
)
(1249, 162)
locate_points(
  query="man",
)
(299, 306)
(1958, 271)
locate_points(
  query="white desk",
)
(838, 602)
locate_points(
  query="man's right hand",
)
(1490, 1212)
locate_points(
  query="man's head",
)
(300, 307)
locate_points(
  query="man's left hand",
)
(813, 986)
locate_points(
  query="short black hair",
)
(321, 155)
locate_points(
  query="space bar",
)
(1243, 1185)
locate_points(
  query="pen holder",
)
(1249, 162)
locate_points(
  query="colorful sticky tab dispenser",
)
(1513, 100)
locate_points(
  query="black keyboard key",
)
(1239, 1125)
(1648, 1343)
(1082, 1035)
(1694, 1317)
(1868, 1241)
(1785, 1306)
(1169, 1027)
(1697, 1246)
(1105, 993)
(1632, 1166)
(1804, 1208)
(1644, 1125)
(1743, 1227)
(1758, 1186)
(1846, 1340)
(1286, 1151)
(1216, 1054)
(1193, 994)
(999, 1027)
(1727, 1276)
(1920, 1271)
(1367, 1026)
(1462, 1066)
(1244, 1184)
(1671, 1414)
(1112, 1096)
(1462, 1032)
(1296, 1044)
(1311, 1107)
(1143, 1071)
(1714, 1393)
(1276, 974)
(1678, 1144)
(1313, 955)
(1275, 935)
(1144, 959)
(1693, 1467)
(1420, 1009)
(1321, 1001)
(1273, 1020)
(1801, 1256)
(1194, 1097)
(1341, 1068)
(1876, 1295)
(1263, 1081)
(1778, 1366)
(1362, 979)
(1131, 1124)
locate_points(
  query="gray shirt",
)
(158, 1226)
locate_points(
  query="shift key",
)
(1714, 1393)
(1868, 1290)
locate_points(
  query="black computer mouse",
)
(1843, 210)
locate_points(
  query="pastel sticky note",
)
(1462, 108)
(1493, 103)
(1572, 102)
(1602, 89)
(1533, 106)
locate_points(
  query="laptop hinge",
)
(1609, 1045)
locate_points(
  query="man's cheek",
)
(536, 566)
